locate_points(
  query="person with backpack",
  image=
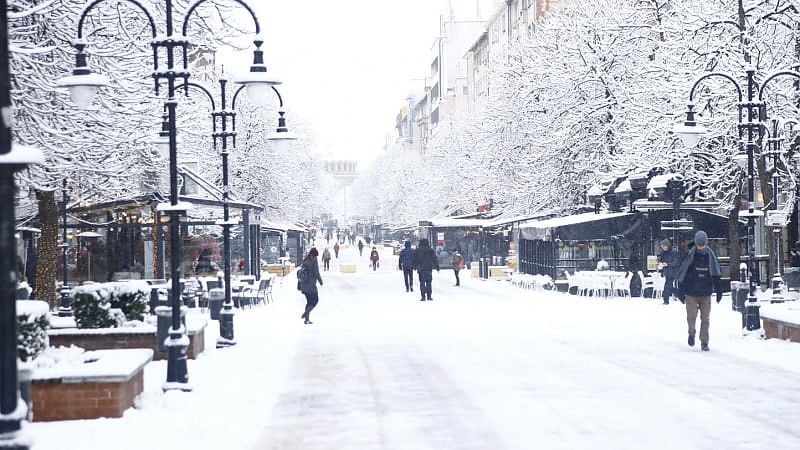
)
(425, 261)
(307, 278)
(406, 262)
(326, 259)
(456, 260)
(374, 257)
(697, 278)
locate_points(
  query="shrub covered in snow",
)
(131, 297)
(33, 320)
(105, 305)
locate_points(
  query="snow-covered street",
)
(483, 366)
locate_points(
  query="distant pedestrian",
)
(668, 262)
(336, 250)
(374, 257)
(456, 261)
(307, 284)
(360, 247)
(698, 276)
(406, 261)
(794, 255)
(326, 259)
(424, 262)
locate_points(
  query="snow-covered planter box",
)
(33, 320)
(781, 321)
(70, 384)
(105, 305)
(137, 335)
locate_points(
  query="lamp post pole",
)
(64, 243)
(752, 318)
(750, 125)
(83, 85)
(65, 308)
(226, 315)
(12, 159)
(776, 218)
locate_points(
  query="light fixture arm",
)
(210, 97)
(89, 7)
(199, 2)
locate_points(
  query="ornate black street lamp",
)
(750, 128)
(65, 308)
(280, 135)
(13, 158)
(776, 217)
(83, 84)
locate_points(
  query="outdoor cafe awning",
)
(578, 227)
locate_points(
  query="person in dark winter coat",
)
(668, 262)
(697, 277)
(456, 260)
(336, 250)
(374, 257)
(308, 285)
(360, 247)
(425, 261)
(406, 261)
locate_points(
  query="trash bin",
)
(163, 325)
(65, 307)
(216, 297)
(739, 292)
(154, 299)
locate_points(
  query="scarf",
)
(713, 263)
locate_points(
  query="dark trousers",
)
(374, 264)
(458, 281)
(425, 278)
(312, 298)
(669, 289)
(326, 264)
(408, 277)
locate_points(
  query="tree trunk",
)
(47, 261)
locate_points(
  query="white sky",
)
(347, 65)
(486, 365)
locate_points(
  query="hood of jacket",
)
(408, 244)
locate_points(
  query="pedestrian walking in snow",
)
(668, 262)
(336, 250)
(326, 259)
(406, 261)
(307, 278)
(374, 257)
(424, 262)
(456, 261)
(698, 276)
(360, 247)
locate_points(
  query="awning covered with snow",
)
(578, 227)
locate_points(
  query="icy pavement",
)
(483, 366)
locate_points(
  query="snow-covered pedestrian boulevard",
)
(483, 366)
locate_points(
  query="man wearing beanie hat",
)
(698, 276)
(668, 262)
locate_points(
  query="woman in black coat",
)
(308, 284)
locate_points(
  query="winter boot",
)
(691, 340)
(704, 347)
